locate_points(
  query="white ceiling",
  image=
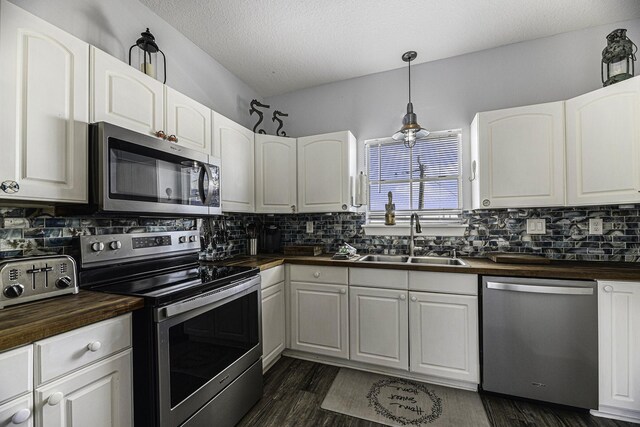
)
(278, 46)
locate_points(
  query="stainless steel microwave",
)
(135, 173)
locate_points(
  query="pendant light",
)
(410, 131)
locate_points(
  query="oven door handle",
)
(206, 199)
(237, 287)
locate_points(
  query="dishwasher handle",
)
(538, 289)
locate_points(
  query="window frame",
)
(430, 216)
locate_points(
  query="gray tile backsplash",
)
(31, 231)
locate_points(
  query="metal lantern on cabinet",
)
(410, 131)
(618, 58)
(148, 56)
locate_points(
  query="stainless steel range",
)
(30, 279)
(197, 343)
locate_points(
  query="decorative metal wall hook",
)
(255, 103)
(276, 118)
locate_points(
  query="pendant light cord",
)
(409, 81)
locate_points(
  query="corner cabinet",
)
(518, 157)
(234, 145)
(44, 110)
(619, 346)
(276, 178)
(320, 310)
(326, 166)
(124, 96)
(603, 145)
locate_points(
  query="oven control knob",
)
(63, 282)
(13, 291)
(97, 246)
(116, 244)
(182, 239)
(192, 239)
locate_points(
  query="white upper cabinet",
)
(275, 174)
(188, 120)
(518, 157)
(124, 96)
(234, 145)
(44, 110)
(326, 164)
(603, 145)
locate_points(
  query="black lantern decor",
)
(410, 131)
(148, 56)
(618, 57)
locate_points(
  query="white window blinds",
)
(424, 179)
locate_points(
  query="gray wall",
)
(114, 25)
(447, 93)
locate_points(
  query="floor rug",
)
(399, 402)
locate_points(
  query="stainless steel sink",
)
(434, 260)
(384, 258)
(404, 259)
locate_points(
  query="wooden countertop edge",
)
(480, 266)
(25, 324)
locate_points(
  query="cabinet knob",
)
(172, 138)
(10, 187)
(161, 134)
(608, 288)
(21, 416)
(55, 398)
(414, 299)
(343, 291)
(94, 346)
(403, 297)
(293, 208)
(316, 274)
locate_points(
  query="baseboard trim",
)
(463, 385)
(620, 414)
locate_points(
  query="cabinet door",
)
(18, 412)
(97, 396)
(603, 145)
(16, 372)
(379, 331)
(44, 109)
(326, 164)
(272, 323)
(619, 345)
(444, 336)
(520, 156)
(235, 146)
(124, 96)
(320, 319)
(275, 174)
(188, 120)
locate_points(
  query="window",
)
(424, 179)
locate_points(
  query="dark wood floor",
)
(294, 390)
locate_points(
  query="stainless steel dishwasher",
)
(540, 339)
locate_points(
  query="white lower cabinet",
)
(17, 412)
(273, 324)
(320, 318)
(97, 396)
(379, 327)
(444, 336)
(619, 346)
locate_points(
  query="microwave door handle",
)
(205, 199)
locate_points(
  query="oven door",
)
(138, 173)
(204, 343)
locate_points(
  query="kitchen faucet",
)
(418, 229)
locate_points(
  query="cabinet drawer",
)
(272, 276)
(378, 278)
(443, 283)
(319, 274)
(66, 352)
(16, 372)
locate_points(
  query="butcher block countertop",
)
(481, 266)
(25, 323)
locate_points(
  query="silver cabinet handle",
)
(10, 187)
(205, 198)
(473, 171)
(293, 208)
(608, 288)
(558, 290)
